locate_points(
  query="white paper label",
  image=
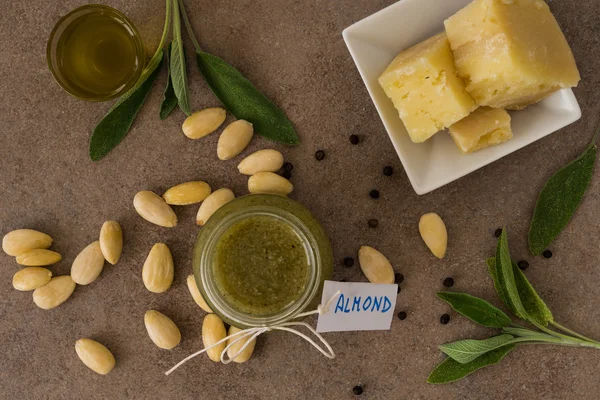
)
(359, 307)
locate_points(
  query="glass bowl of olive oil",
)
(95, 53)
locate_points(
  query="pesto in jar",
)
(260, 265)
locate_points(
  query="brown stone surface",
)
(293, 51)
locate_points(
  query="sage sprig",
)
(178, 66)
(169, 101)
(521, 298)
(560, 197)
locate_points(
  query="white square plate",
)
(373, 43)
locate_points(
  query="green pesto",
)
(260, 265)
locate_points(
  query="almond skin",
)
(270, 183)
(434, 234)
(154, 209)
(212, 203)
(234, 139)
(375, 265)
(111, 241)
(31, 278)
(162, 330)
(38, 258)
(267, 160)
(54, 293)
(213, 330)
(247, 353)
(187, 193)
(203, 122)
(88, 264)
(158, 269)
(21, 240)
(95, 356)
(196, 294)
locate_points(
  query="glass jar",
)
(285, 214)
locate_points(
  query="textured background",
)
(293, 51)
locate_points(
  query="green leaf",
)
(465, 351)
(559, 199)
(476, 309)
(244, 101)
(113, 128)
(177, 63)
(491, 264)
(169, 101)
(450, 370)
(506, 278)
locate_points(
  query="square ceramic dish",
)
(373, 43)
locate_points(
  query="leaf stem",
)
(165, 30)
(188, 26)
(572, 332)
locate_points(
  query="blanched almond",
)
(212, 203)
(234, 139)
(162, 330)
(154, 209)
(38, 258)
(267, 160)
(95, 356)
(31, 278)
(434, 234)
(22, 240)
(111, 241)
(88, 264)
(213, 330)
(187, 193)
(270, 183)
(244, 355)
(158, 269)
(375, 266)
(54, 293)
(196, 295)
(203, 122)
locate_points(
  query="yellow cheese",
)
(484, 127)
(511, 53)
(425, 89)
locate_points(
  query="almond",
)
(54, 293)
(88, 264)
(212, 203)
(22, 240)
(111, 241)
(154, 209)
(213, 330)
(196, 295)
(38, 258)
(203, 122)
(162, 330)
(31, 278)
(375, 266)
(434, 234)
(95, 356)
(158, 269)
(232, 351)
(234, 139)
(187, 193)
(267, 160)
(270, 183)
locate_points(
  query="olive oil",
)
(97, 53)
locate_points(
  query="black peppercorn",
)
(286, 174)
(357, 390)
(349, 262)
(319, 155)
(444, 319)
(354, 139)
(388, 171)
(523, 265)
(374, 194)
(288, 166)
(399, 278)
(547, 254)
(448, 282)
(373, 223)
(498, 232)
(402, 315)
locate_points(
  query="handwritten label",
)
(359, 307)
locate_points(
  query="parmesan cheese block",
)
(511, 53)
(484, 127)
(423, 85)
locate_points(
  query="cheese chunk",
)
(425, 89)
(511, 53)
(484, 127)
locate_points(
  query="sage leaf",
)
(491, 264)
(244, 101)
(559, 199)
(506, 278)
(476, 309)
(177, 63)
(465, 351)
(113, 128)
(169, 101)
(450, 370)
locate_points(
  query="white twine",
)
(253, 333)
